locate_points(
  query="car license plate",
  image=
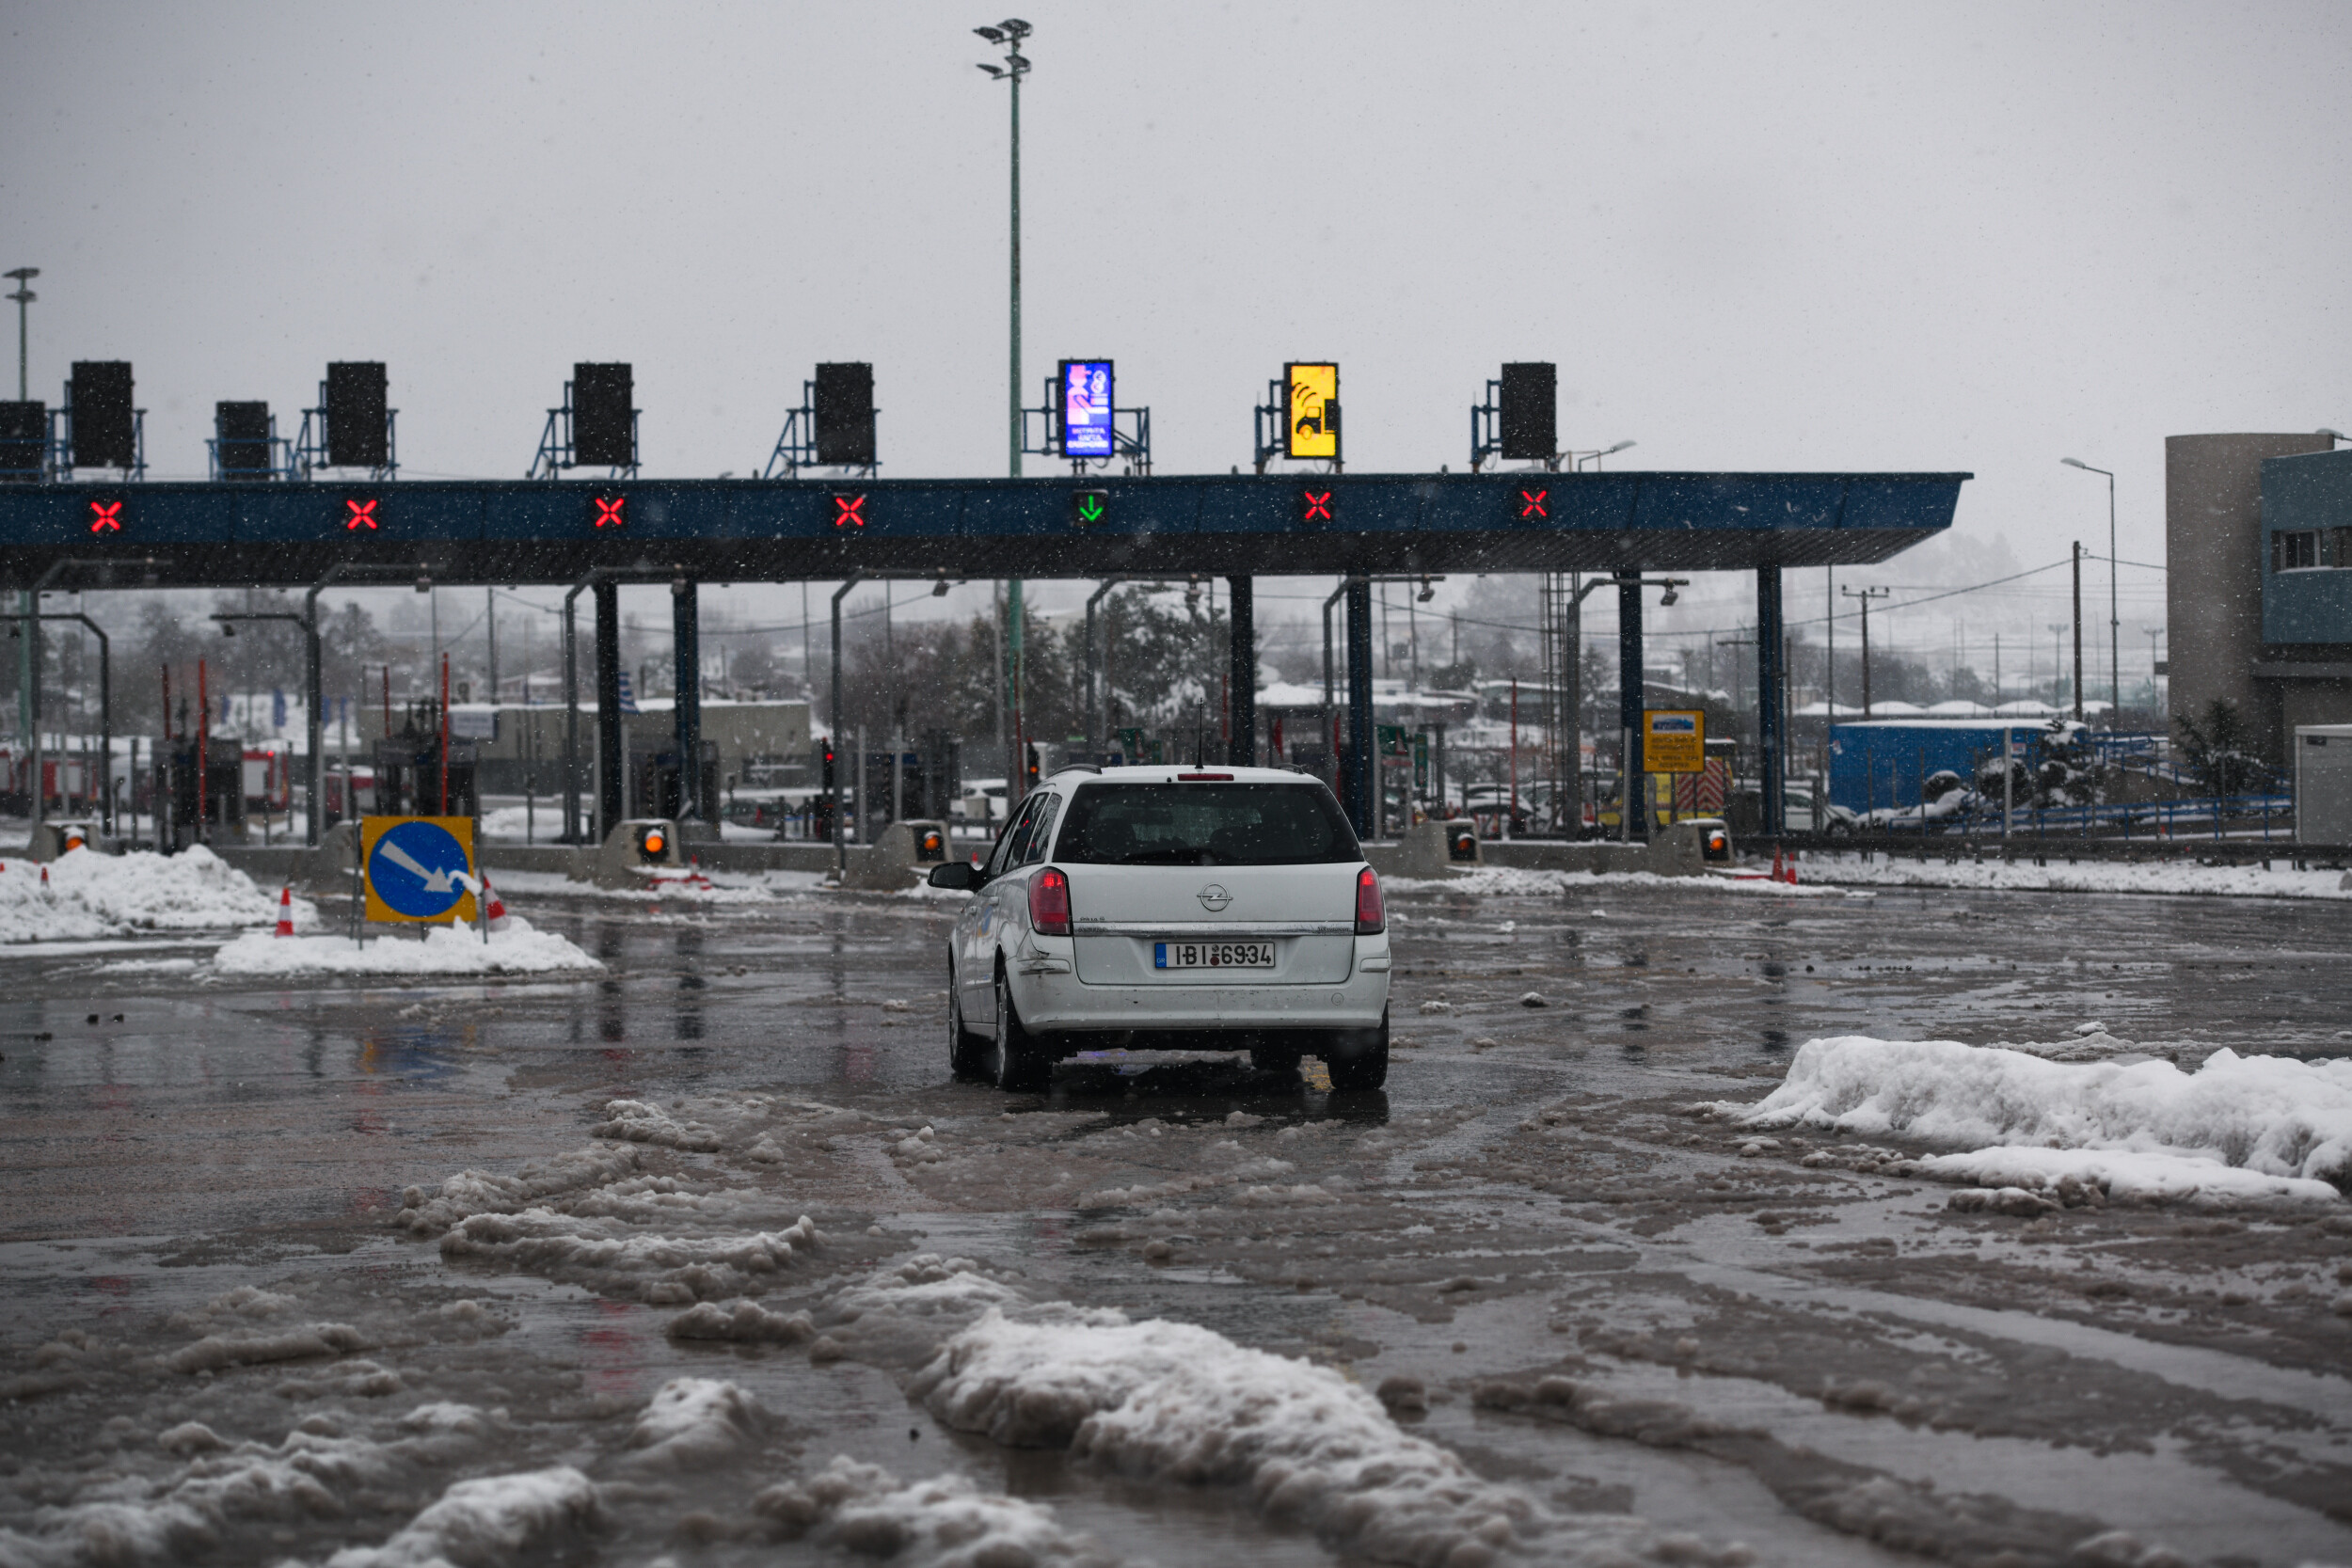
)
(1213, 954)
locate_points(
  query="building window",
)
(2339, 547)
(2295, 550)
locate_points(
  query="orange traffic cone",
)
(1780, 869)
(1792, 868)
(497, 918)
(285, 910)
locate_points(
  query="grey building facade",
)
(2218, 580)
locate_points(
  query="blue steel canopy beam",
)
(506, 531)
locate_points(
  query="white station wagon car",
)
(1176, 908)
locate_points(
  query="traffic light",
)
(932, 846)
(653, 841)
(241, 438)
(23, 442)
(845, 416)
(604, 417)
(1317, 504)
(358, 427)
(1029, 769)
(1090, 507)
(848, 511)
(1532, 502)
(1531, 413)
(825, 764)
(608, 511)
(103, 433)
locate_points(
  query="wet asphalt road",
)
(1528, 1201)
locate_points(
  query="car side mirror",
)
(956, 876)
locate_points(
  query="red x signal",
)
(363, 516)
(1314, 506)
(106, 516)
(609, 512)
(1531, 503)
(849, 512)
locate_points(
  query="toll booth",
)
(408, 768)
(653, 784)
(180, 820)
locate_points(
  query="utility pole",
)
(1865, 595)
(2058, 661)
(1009, 34)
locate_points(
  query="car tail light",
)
(1372, 916)
(1205, 778)
(1049, 902)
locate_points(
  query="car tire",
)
(964, 1048)
(1358, 1059)
(1017, 1061)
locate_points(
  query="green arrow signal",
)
(1090, 508)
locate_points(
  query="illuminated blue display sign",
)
(1085, 409)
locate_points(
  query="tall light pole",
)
(1009, 34)
(22, 296)
(2115, 618)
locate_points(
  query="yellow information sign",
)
(1313, 428)
(413, 866)
(1673, 740)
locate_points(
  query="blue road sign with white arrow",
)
(415, 869)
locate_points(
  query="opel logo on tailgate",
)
(1214, 899)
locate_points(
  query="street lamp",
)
(2115, 618)
(1007, 35)
(22, 296)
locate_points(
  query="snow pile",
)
(1507, 881)
(128, 1519)
(619, 1260)
(490, 1519)
(940, 1523)
(1174, 1403)
(2022, 876)
(445, 950)
(692, 1420)
(2237, 1127)
(429, 1211)
(90, 895)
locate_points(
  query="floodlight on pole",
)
(23, 296)
(1605, 451)
(2114, 617)
(2332, 434)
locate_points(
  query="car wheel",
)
(1358, 1059)
(964, 1048)
(1017, 1061)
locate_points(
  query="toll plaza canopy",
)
(172, 535)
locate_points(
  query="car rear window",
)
(1199, 824)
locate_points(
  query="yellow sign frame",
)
(1311, 395)
(379, 913)
(1680, 747)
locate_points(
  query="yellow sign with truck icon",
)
(1311, 428)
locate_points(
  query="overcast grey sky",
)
(1789, 236)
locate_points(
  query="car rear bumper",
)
(1059, 1002)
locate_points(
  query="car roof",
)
(1179, 773)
